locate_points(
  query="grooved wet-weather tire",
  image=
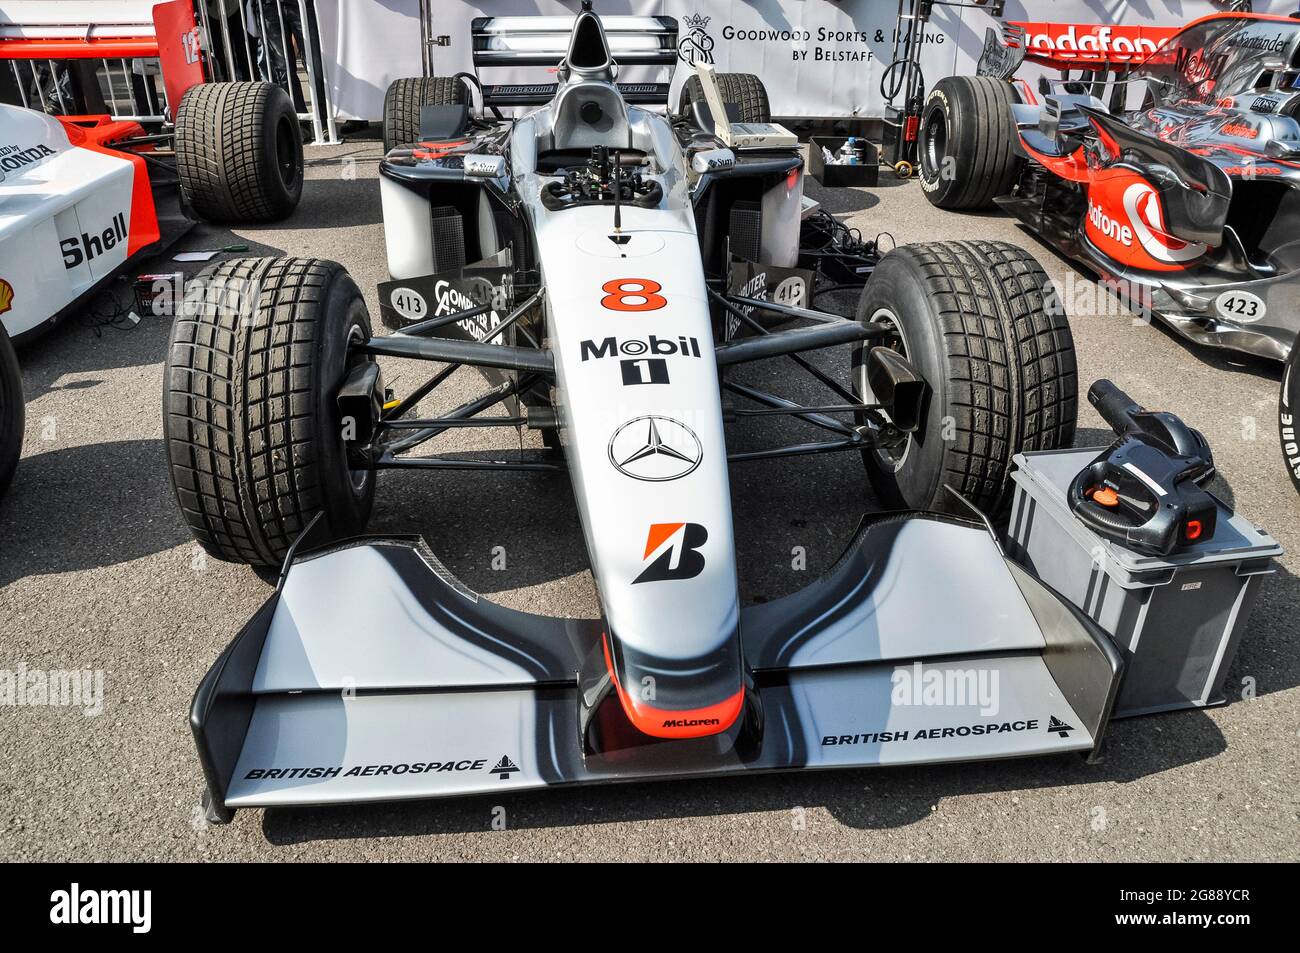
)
(744, 90)
(404, 99)
(239, 152)
(987, 332)
(1288, 411)
(253, 432)
(12, 411)
(968, 142)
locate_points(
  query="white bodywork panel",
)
(406, 230)
(65, 217)
(349, 619)
(84, 19)
(679, 618)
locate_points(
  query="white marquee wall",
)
(817, 57)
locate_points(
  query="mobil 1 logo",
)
(645, 370)
(642, 360)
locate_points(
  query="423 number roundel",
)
(632, 294)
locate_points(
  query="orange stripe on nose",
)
(665, 723)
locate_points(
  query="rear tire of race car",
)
(744, 90)
(1288, 411)
(968, 135)
(981, 323)
(253, 431)
(239, 152)
(12, 411)
(406, 97)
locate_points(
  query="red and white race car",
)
(83, 197)
(1165, 160)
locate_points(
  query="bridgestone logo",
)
(13, 158)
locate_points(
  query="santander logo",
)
(1142, 206)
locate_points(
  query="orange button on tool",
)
(1105, 496)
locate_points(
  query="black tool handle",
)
(1158, 535)
(1116, 407)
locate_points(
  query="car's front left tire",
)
(982, 324)
(255, 441)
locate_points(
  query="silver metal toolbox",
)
(1177, 619)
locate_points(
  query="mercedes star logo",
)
(655, 449)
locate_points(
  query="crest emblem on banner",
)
(696, 46)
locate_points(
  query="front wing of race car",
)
(373, 674)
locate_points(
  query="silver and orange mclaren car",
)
(611, 266)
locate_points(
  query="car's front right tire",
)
(255, 441)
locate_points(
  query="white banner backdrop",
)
(816, 57)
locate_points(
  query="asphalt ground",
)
(98, 572)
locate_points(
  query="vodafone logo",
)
(1142, 206)
(1087, 42)
(1115, 231)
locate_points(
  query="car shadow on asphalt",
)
(85, 507)
(842, 201)
(341, 202)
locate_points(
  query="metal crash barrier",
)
(78, 58)
(277, 41)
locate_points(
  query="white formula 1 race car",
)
(609, 267)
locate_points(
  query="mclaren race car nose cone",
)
(677, 698)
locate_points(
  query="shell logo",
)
(1142, 205)
(6, 296)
